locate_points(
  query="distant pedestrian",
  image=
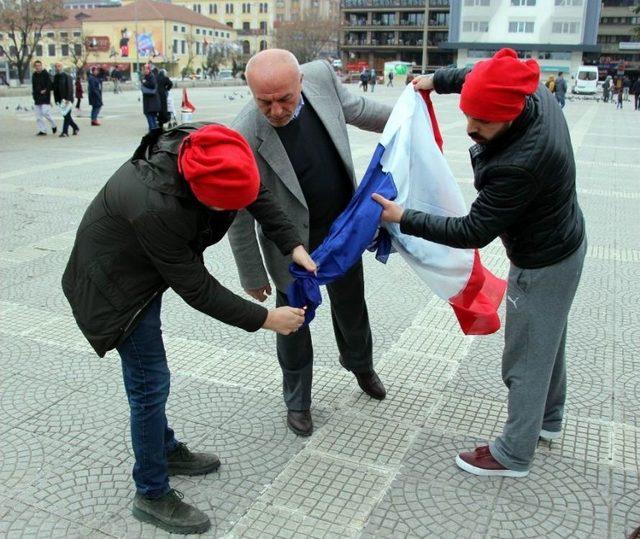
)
(41, 86)
(635, 90)
(373, 80)
(150, 97)
(364, 79)
(626, 86)
(164, 86)
(79, 90)
(63, 96)
(606, 88)
(619, 100)
(551, 83)
(95, 95)
(390, 79)
(116, 77)
(561, 89)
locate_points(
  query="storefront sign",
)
(98, 43)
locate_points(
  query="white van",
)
(586, 80)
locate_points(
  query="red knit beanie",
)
(220, 168)
(495, 89)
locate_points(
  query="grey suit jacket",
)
(336, 107)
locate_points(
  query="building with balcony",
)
(252, 20)
(619, 44)
(555, 32)
(379, 31)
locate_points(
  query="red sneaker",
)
(95, 122)
(481, 462)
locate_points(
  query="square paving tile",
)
(363, 440)
(626, 448)
(625, 503)
(328, 489)
(515, 520)
(18, 520)
(457, 414)
(413, 508)
(264, 520)
(401, 367)
(402, 403)
(446, 345)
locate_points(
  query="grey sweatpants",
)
(533, 361)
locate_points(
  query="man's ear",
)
(301, 77)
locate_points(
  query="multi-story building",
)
(554, 32)
(294, 10)
(167, 35)
(252, 20)
(620, 46)
(378, 31)
(90, 4)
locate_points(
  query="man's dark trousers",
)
(146, 381)
(68, 122)
(351, 328)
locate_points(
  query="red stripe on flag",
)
(432, 114)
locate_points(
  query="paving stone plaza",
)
(371, 469)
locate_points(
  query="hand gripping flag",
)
(407, 166)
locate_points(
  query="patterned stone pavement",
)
(371, 469)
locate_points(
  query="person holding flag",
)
(525, 175)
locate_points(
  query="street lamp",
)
(425, 35)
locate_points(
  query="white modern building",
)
(554, 32)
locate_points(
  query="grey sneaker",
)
(181, 461)
(170, 513)
(550, 435)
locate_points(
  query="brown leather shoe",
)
(481, 462)
(371, 384)
(300, 422)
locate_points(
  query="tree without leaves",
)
(308, 37)
(24, 20)
(79, 51)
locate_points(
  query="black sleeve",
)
(507, 193)
(274, 222)
(449, 81)
(34, 91)
(164, 240)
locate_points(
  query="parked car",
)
(226, 74)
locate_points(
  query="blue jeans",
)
(147, 381)
(94, 113)
(152, 120)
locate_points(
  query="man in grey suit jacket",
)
(296, 126)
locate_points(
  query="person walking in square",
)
(41, 86)
(63, 97)
(95, 94)
(364, 79)
(145, 232)
(151, 105)
(79, 91)
(619, 98)
(635, 90)
(525, 174)
(390, 78)
(560, 89)
(373, 79)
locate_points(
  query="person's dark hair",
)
(559, 73)
(37, 62)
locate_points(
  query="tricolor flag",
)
(408, 166)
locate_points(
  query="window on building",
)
(263, 26)
(230, 25)
(77, 49)
(175, 27)
(52, 49)
(567, 3)
(521, 27)
(38, 50)
(210, 9)
(523, 3)
(76, 34)
(246, 26)
(263, 45)
(198, 31)
(483, 3)
(215, 33)
(183, 29)
(554, 56)
(64, 35)
(64, 50)
(183, 47)
(565, 27)
(475, 26)
(51, 35)
(228, 8)
(480, 53)
(198, 48)
(175, 46)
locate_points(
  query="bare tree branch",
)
(306, 38)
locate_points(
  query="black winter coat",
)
(150, 102)
(526, 188)
(164, 86)
(62, 87)
(146, 232)
(94, 85)
(39, 82)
